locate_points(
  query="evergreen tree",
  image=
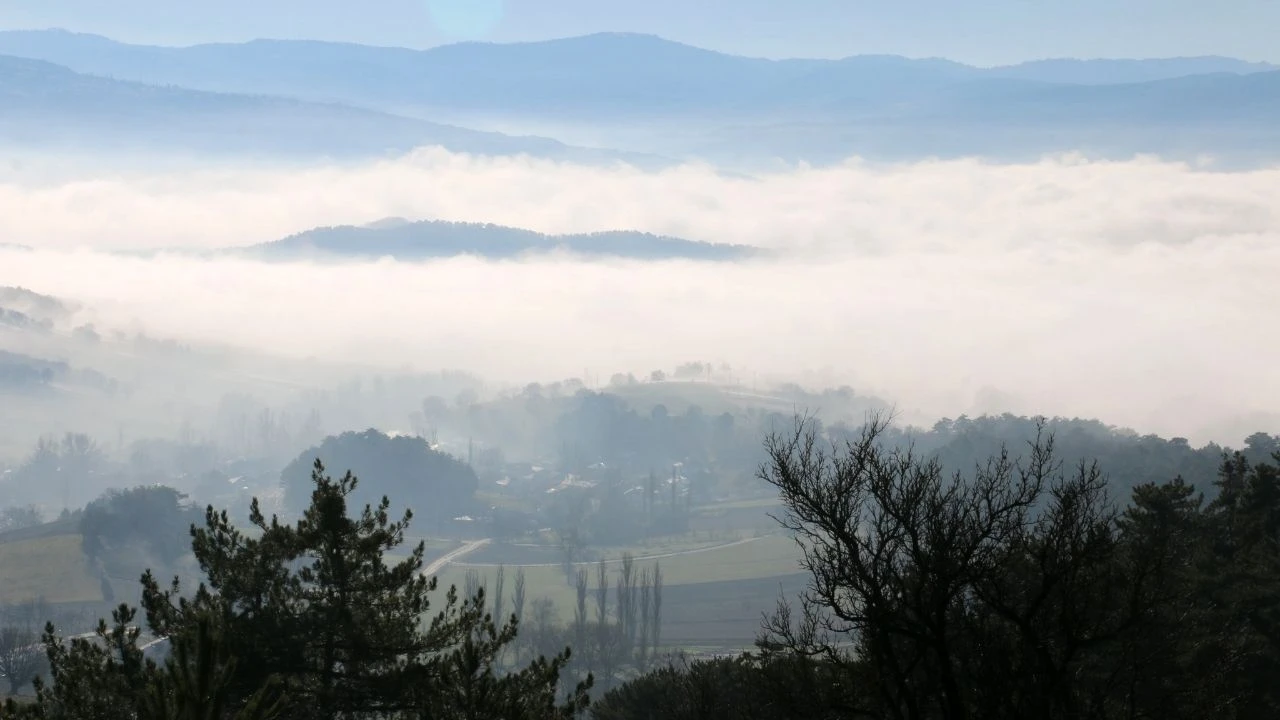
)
(317, 605)
(103, 678)
(195, 683)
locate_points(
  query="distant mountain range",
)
(603, 73)
(47, 105)
(431, 239)
(692, 102)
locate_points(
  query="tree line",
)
(615, 628)
(1021, 586)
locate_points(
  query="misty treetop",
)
(155, 519)
(434, 485)
(1131, 459)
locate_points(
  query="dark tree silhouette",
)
(434, 485)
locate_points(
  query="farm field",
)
(547, 553)
(722, 615)
(716, 583)
(712, 596)
(50, 566)
(751, 516)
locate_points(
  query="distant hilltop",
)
(432, 239)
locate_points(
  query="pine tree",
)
(195, 683)
(102, 678)
(316, 604)
(314, 608)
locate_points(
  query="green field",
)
(712, 596)
(53, 567)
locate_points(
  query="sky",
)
(981, 32)
(1068, 287)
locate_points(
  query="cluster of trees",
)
(1131, 459)
(303, 620)
(599, 427)
(19, 517)
(576, 427)
(1021, 589)
(24, 372)
(615, 628)
(153, 519)
(622, 638)
(21, 372)
(435, 485)
(58, 468)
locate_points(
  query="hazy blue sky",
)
(976, 31)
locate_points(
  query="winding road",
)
(439, 563)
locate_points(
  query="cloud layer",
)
(1141, 292)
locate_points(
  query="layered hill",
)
(612, 74)
(638, 93)
(433, 239)
(47, 105)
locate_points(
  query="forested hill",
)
(438, 239)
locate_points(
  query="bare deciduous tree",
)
(646, 601)
(21, 656)
(655, 624)
(499, 582)
(1000, 594)
(20, 517)
(517, 596)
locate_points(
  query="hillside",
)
(436, 239)
(48, 105)
(51, 567)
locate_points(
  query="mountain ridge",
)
(599, 77)
(661, 99)
(103, 40)
(438, 239)
(49, 103)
